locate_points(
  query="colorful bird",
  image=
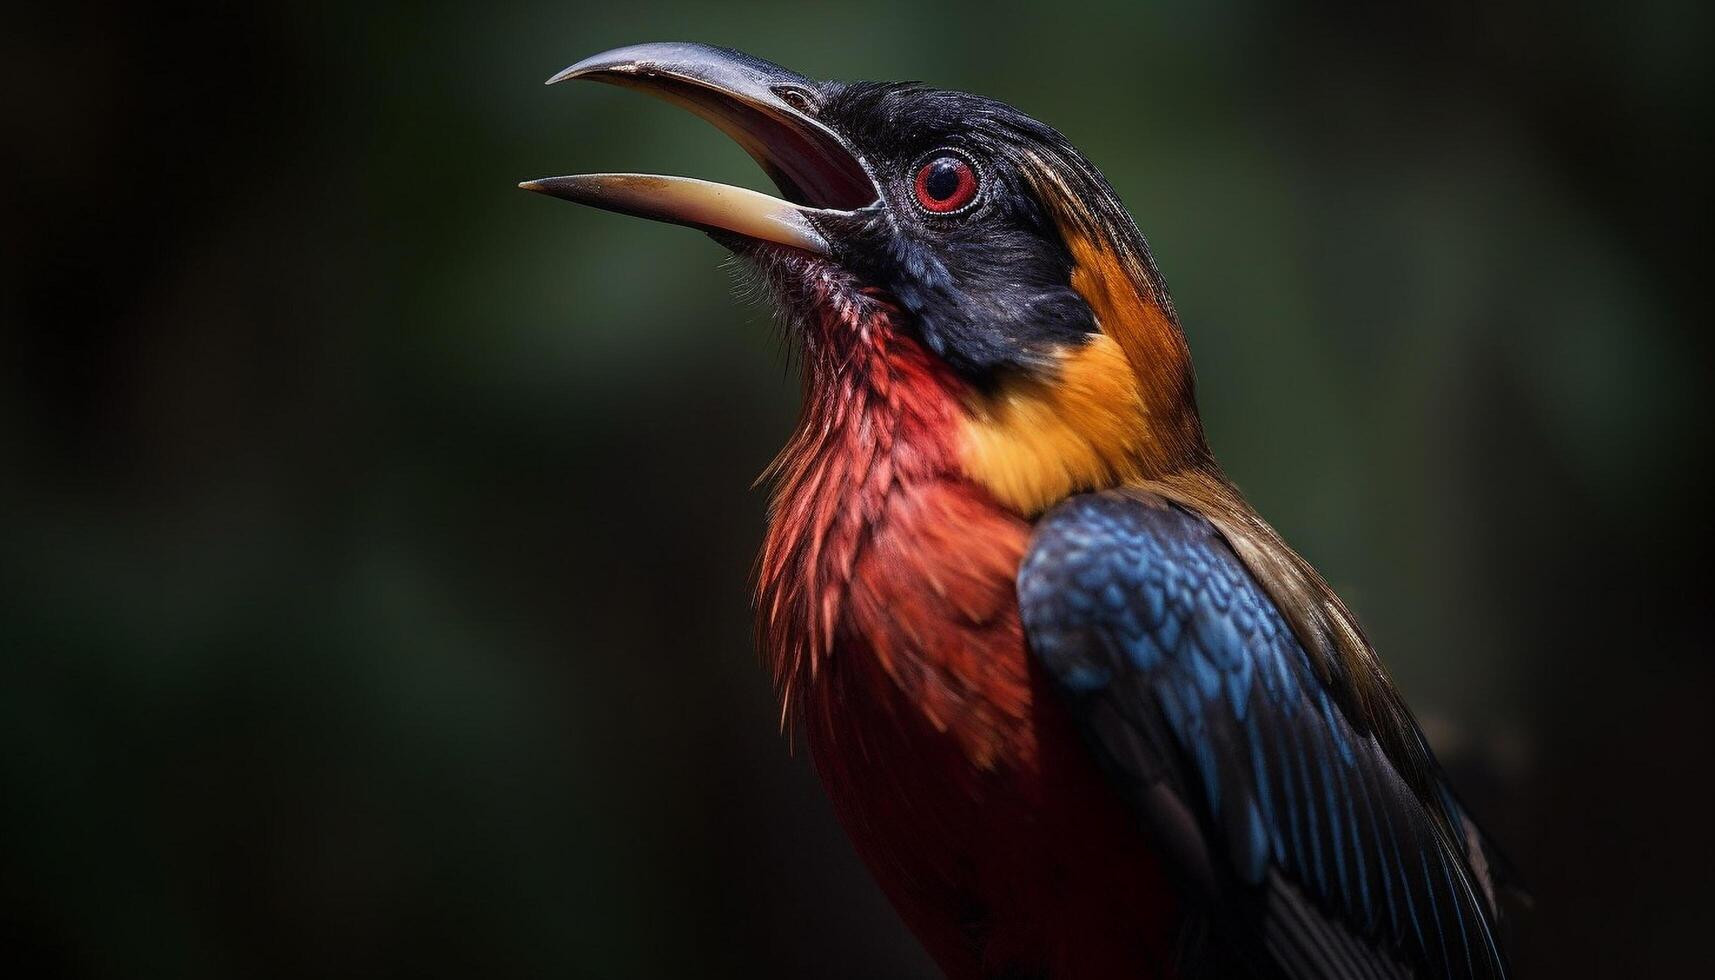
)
(1082, 712)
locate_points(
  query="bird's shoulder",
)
(1245, 748)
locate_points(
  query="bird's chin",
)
(804, 287)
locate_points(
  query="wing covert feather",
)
(1197, 698)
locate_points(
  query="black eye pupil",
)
(943, 179)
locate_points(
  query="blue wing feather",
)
(1187, 675)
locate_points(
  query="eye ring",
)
(946, 182)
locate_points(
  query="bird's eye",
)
(945, 184)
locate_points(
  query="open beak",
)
(765, 109)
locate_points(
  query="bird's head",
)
(965, 231)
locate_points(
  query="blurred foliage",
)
(376, 536)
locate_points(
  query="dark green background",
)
(376, 536)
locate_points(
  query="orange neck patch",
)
(1037, 440)
(1118, 409)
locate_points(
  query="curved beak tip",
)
(604, 63)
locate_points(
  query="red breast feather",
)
(887, 608)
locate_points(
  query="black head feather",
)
(989, 288)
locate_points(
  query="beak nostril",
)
(797, 98)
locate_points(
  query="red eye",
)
(945, 184)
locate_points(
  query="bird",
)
(1081, 711)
